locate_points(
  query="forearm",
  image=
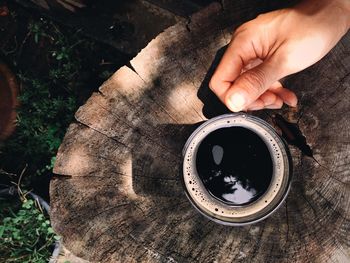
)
(335, 8)
(344, 6)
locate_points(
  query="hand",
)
(274, 45)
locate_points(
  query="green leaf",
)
(2, 230)
(28, 204)
(50, 230)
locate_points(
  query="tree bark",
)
(117, 195)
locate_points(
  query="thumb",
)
(248, 87)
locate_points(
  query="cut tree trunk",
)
(117, 195)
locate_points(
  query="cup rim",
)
(273, 208)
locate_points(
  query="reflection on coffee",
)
(234, 165)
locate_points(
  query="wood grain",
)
(117, 196)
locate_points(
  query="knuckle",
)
(248, 27)
(239, 29)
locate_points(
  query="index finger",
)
(238, 53)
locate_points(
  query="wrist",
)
(344, 7)
(338, 9)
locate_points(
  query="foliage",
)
(42, 120)
(54, 65)
(66, 62)
(47, 101)
(25, 235)
(57, 68)
(37, 30)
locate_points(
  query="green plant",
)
(26, 234)
(67, 64)
(42, 121)
(63, 49)
(48, 101)
(56, 69)
(38, 29)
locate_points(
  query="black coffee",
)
(234, 165)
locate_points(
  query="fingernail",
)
(237, 102)
(254, 108)
(273, 107)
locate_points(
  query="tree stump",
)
(117, 195)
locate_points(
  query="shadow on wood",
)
(153, 176)
(212, 106)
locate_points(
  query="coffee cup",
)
(236, 170)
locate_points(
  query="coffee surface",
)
(234, 165)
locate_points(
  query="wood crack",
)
(133, 127)
(131, 67)
(105, 135)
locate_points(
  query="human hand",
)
(274, 45)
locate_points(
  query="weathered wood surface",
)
(117, 196)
